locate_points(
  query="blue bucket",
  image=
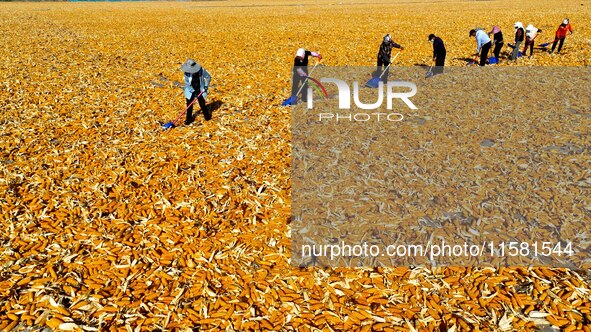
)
(493, 60)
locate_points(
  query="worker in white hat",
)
(531, 33)
(300, 72)
(561, 33)
(519, 38)
(385, 56)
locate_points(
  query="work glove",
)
(319, 57)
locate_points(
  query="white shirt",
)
(531, 31)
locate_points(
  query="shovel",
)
(519, 54)
(470, 63)
(430, 72)
(293, 100)
(171, 124)
(374, 82)
(546, 44)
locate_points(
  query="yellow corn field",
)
(110, 223)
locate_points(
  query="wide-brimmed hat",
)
(190, 66)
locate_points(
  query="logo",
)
(390, 91)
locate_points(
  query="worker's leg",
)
(497, 50)
(304, 90)
(527, 41)
(294, 83)
(515, 51)
(439, 63)
(561, 43)
(206, 111)
(554, 45)
(379, 67)
(531, 48)
(385, 76)
(189, 117)
(484, 53)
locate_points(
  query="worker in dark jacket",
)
(497, 40)
(519, 38)
(439, 53)
(385, 55)
(300, 72)
(196, 84)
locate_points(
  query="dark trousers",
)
(530, 44)
(296, 81)
(484, 53)
(439, 63)
(498, 47)
(204, 108)
(379, 70)
(561, 40)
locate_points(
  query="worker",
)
(439, 53)
(385, 55)
(300, 73)
(483, 43)
(196, 85)
(561, 33)
(498, 41)
(519, 38)
(531, 33)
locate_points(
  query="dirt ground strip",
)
(112, 224)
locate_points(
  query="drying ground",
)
(111, 223)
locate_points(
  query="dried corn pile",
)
(111, 224)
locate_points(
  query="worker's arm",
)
(395, 45)
(316, 55)
(206, 80)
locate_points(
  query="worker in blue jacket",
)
(196, 85)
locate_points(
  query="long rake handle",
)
(186, 109)
(389, 64)
(306, 80)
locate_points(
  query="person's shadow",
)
(215, 105)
